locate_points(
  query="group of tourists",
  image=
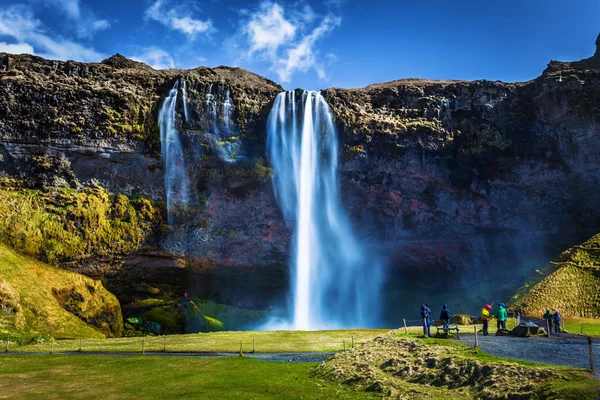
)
(501, 316)
(553, 319)
(426, 318)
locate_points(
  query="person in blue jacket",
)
(557, 321)
(426, 318)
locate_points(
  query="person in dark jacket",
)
(426, 318)
(445, 317)
(549, 318)
(557, 321)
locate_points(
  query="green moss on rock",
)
(571, 284)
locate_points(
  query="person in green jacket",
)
(501, 316)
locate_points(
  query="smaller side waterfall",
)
(186, 110)
(224, 139)
(177, 185)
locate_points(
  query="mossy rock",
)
(461, 319)
(171, 320)
(571, 284)
(38, 299)
(213, 324)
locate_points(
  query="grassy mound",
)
(402, 367)
(571, 284)
(37, 299)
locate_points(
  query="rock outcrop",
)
(453, 185)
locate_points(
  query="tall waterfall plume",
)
(333, 284)
(186, 110)
(177, 184)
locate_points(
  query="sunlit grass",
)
(263, 341)
(591, 327)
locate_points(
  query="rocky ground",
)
(402, 367)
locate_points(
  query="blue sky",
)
(312, 44)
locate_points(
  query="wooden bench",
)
(441, 326)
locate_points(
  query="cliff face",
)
(449, 183)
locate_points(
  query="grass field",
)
(273, 341)
(113, 377)
(591, 327)
(264, 341)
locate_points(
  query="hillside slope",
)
(571, 284)
(37, 299)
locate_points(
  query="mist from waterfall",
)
(177, 184)
(224, 140)
(333, 283)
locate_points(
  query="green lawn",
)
(591, 327)
(116, 377)
(273, 341)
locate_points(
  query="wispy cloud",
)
(155, 57)
(287, 42)
(178, 19)
(19, 23)
(83, 19)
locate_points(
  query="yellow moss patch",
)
(48, 300)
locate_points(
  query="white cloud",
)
(155, 57)
(301, 57)
(83, 19)
(287, 43)
(20, 23)
(268, 30)
(176, 19)
(17, 48)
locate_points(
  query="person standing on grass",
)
(549, 318)
(557, 321)
(501, 316)
(485, 317)
(426, 318)
(445, 317)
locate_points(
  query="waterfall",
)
(333, 284)
(186, 111)
(177, 186)
(224, 140)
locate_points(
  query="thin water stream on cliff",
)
(177, 184)
(334, 284)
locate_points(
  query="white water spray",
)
(177, 185)
(333, 285)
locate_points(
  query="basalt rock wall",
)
(449, 183)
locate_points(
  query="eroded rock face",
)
(451, 184)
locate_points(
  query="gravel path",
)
(567, 350)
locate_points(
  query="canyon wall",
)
(461, 190)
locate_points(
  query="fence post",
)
(6, 351)
(591, 354)
(344, 344)
(581, 333)
(143, 343)
(548, 327)
(52, 347)
(476, 342)
(80, 345)
(165, 344)
(241, 344)
(253, 345)
(352, 341)
(405, 328)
